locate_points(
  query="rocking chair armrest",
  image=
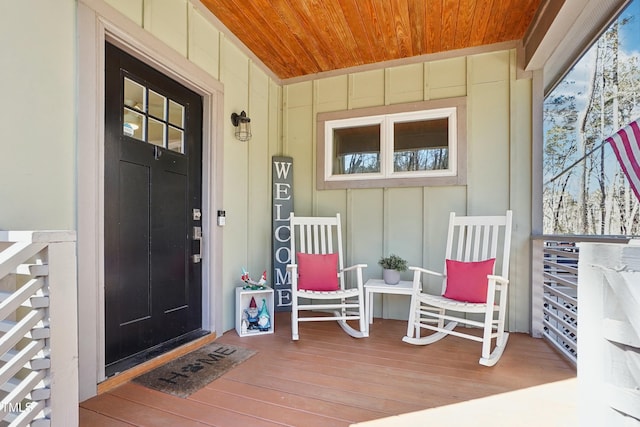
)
(424, 270)
(292, 267)
(358, 270)
(353, 267)
(502, 280)
(496, 283)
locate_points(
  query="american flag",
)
(626, 145)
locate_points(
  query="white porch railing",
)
(555, 289)
(38, 329)
(609, 364)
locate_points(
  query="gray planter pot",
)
(390, 277)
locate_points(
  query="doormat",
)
(189, 373)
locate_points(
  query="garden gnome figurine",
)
(264, 322)
(252, 314)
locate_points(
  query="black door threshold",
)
(153, 352)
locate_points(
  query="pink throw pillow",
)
(467, 281)
(317, 272)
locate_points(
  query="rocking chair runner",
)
(317, 273)
(471, 251)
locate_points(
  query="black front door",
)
(153, 181)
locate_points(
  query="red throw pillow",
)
(467, 281)
(317, 272)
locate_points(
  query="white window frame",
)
(330, 125)
(453, 109)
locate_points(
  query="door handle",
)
(157, 152)
(197, 236)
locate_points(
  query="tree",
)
(590, 195)
(559, 152)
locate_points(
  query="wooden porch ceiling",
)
(295, 38)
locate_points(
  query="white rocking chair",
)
(318, 273)
(472, 241)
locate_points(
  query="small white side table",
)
(372, 286)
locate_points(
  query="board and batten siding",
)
(411, 221)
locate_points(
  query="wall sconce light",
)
(242, 124)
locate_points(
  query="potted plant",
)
(391, 268)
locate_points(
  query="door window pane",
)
(176, 139)
(356, 150)
(133, 125)
(421, 145)
(134, 104)
(156, 132)
(176, 114)
(157, 105)
(134, 95)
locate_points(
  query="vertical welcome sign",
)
(282, 195)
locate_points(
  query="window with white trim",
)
(405, 146)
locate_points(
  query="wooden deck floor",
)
(330, 379)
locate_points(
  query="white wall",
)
(37, 114)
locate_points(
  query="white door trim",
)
(98, 23)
